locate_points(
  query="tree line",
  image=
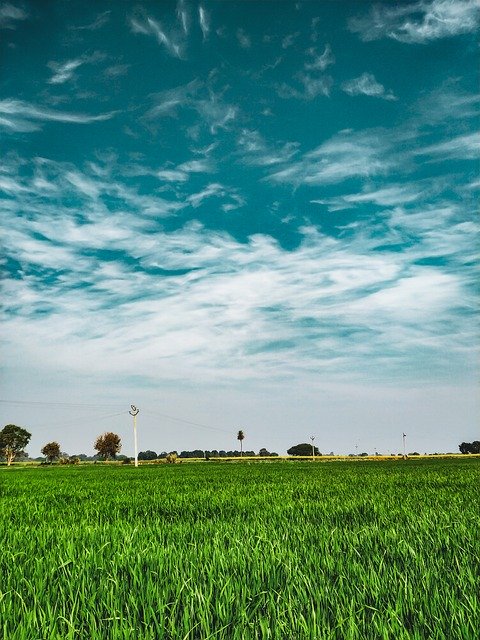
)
(14, 439)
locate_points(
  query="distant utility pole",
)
(312, 438)
(134, 412)
(404, 450)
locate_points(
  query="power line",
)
(63, 423)
(190, 422)
(59, 404)
(94, 405)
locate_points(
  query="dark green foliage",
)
(13, 440)
(108, 445)
(470, 447)
(51, 451)
(264, 453)
(147, 455)
(303, 449)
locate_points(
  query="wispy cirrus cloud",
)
(10, 15)
(214, 111)
(418, 22)
(255, 150)
(290, 39)
(348, 154)
(182, 172)
(204, 21)
(463, 147)
(98, 22)
(20, 116)
(318, 310)
(171, 41)
(216, 190)
(367, 85)
(385, 196)
(64, 71)
(319, 62)
(312, 87)
(244, 40)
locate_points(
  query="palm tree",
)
(240, 438)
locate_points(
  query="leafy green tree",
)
(51, 451)
(470, 447)
(108, 445)
(303, 449)
(13, 440)
(147, 455)
(241, 438)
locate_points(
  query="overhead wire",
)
(146, 411)
(190, 422)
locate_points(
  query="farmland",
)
(280, 550)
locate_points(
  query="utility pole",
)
(134, 412)
(312, 438)
(404, 450)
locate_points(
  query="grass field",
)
(281, 550)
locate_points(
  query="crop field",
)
(281, 550)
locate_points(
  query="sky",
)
(240, 215)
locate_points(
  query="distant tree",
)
(147, 455)
(264, 453)
(241, 438)
(303, 449)
(13, 440)
(108, 445)
(51, 451)
(470, 447)
(196, 453)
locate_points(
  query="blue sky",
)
(249, 215)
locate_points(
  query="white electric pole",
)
(404, 450)
(134, 412)
(312, 438)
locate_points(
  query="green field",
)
(283, 550)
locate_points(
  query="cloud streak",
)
(20, 116)
(418, 22)
(367, 85)
(10, 15)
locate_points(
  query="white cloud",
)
(244, 39)
(233, 307)
(256, 151)
(386, 196)
(289, 40)
(18, 115)
(212, 190)
(418, 22)
(204, 22)
(348, 154)
(466, 147)
(320, 62)
(367, 85)
(64, 71)
(183, 16)
(97, 23)
(312, 87)
(10, 15)
(151, 27)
